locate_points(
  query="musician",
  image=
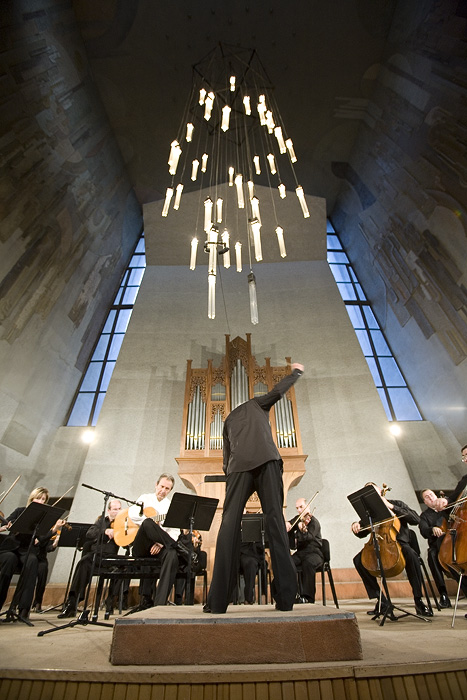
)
(443, 502)
(16, 555)
(430, 527)
(407, 517)
(82, 573)
(252, 558)
(156, 541)
(252, 463)
(198, 563)
(306, 540)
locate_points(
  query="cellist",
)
(406, 517)
(442, 503)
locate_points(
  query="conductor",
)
(252, 462)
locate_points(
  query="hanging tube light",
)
(175, 153)
(208, 103)
(282, 190)
(280, 139)
(204, 162)
(226, 242)
(207, 214)
(225, 117)
(253, 298)
(272, 163)
(194, 169)
(231, 176)
(189, 131)
(168, 197)
(211, 295)
(232, 83)
(291, 151)
(239, 186)
(257, 165)
(256, 230)
(280, 240)
(247, 105)
(238, 256)
(178, 195)
(219, 203)
(194, 250)
(301, 199)
(202, 96)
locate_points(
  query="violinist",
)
(406, 517)
(443, 502)
(82, 574)
(306, 540)
(199, 560)
(17, 556)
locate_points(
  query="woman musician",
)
(405, 517)
(16, 555)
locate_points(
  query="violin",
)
(56, 536)
(391, 556)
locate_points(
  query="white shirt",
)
(149, 500)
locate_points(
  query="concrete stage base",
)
(254, 634)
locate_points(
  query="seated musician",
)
(153, 540)
(407, 517)
(431, 520)
(252, 557)
(199, 562)
(305, 538)
(82, 574)
(17, 556)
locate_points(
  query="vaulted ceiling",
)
(322, 56)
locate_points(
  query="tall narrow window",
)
(390, 383)
(91, 393)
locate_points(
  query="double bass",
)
(453, 549)
(390, 552)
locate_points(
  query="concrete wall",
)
(402, 216)
(69, 221)
(344, 428)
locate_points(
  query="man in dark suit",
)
(252, 463)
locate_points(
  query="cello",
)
(453, 549)
(392, 558)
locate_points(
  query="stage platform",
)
(405, 660)
(246, 634)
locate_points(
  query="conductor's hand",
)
(297, 366)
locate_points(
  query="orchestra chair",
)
(122, 567)
(426, 581)
(324, 569)
(262, 585)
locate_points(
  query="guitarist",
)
(152, 540)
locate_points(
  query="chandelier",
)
(232, 139)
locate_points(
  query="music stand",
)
(72, 535)
(35, 520)
(373, 511)
(252, 532)
(188, 512)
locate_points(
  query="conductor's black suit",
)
(252, 463)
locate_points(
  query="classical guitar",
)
(125, 529)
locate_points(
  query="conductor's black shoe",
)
(284, 609)
(68, 611)
(207, 609)
(421, 608)
(444, 601)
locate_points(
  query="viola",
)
(391, 556)
(125, 529)
(452, 553)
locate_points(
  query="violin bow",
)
(5, 493)
(63, 495)
(304, 511)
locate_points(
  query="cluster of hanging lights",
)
(231, 138)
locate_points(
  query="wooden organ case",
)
(210, 395)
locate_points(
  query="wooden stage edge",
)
(244, 635)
